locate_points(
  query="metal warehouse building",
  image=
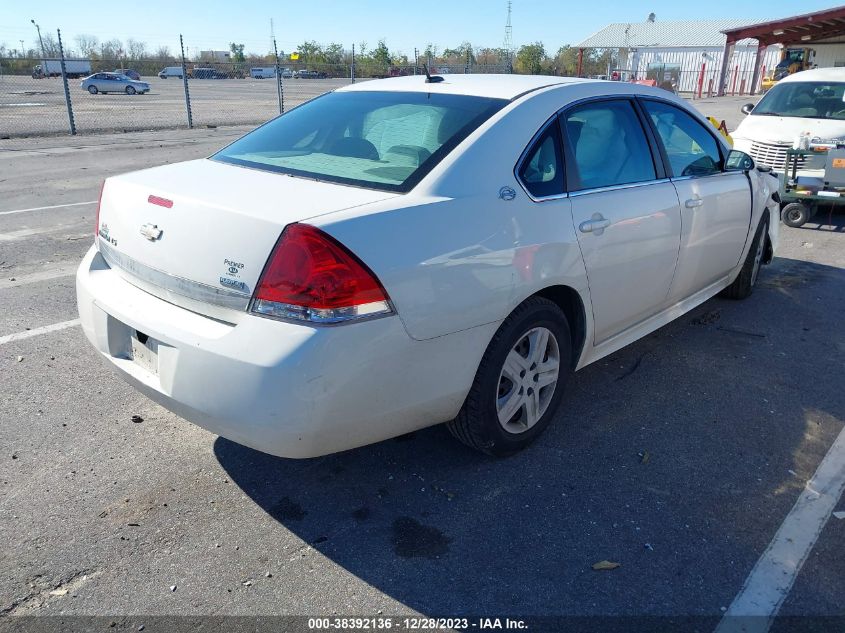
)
(684, 53)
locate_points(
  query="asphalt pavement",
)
(679, 457)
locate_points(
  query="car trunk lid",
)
(199, 233)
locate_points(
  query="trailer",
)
(75, 68)
(811, 177)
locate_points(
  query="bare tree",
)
(51, 45)
(137, 49)
(87, 44)
(163, 54)
(112, 49)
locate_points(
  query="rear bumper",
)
(282, 388)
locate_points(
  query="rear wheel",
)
(519, 382)
(92, 89)
(795, 214)
(747, 278)
(130, 90)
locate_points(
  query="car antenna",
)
(429, 78)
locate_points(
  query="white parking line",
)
(55, 206)
(19, 336)
(63, 270)
(770, 581)
(30, 232)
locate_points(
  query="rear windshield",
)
(379, 140)
(811, 100)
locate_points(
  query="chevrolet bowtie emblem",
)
(151, 232)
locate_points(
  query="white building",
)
(685, 53)
(215, 56)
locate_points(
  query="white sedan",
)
(406, 252)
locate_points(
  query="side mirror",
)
(747, 108)
(739, 161)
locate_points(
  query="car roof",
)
(816, 74)
(494, 86)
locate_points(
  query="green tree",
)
(237, 52)
(530, 58)
(566, 61)
(381, 54)
(458, 55)
(333, 54)
(310, 52)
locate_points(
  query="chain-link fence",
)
(116, 94)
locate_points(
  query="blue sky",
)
(213, 24)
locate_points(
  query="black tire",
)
(93, 90)
(795, 214)
(130, 90)
(744, 283)
(477, 424)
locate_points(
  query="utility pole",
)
(352, 67)
(23, 52)
(38, 28)
(508, 45)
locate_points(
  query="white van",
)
(809, 101)
(171, 71)
(264, 72)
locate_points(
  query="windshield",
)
(380, 140)
(811, 99)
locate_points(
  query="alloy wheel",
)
(528, 380)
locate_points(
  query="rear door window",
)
(607, 144)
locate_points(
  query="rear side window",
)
(608, 145)
(542, 170)
(691, 149)
(380, 140)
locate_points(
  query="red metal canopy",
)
(800, 29)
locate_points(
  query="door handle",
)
(597, 224)
(694, 202)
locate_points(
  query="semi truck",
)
(74, 68)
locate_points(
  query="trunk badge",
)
(151, 232)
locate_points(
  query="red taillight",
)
(312, 277)
(97, 219)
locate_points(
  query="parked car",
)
(809, 101)
(287, 73)
(113, 82)
(340, 276)
(208, 73)
(310, 74)
(128, 72)
(171, 71)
